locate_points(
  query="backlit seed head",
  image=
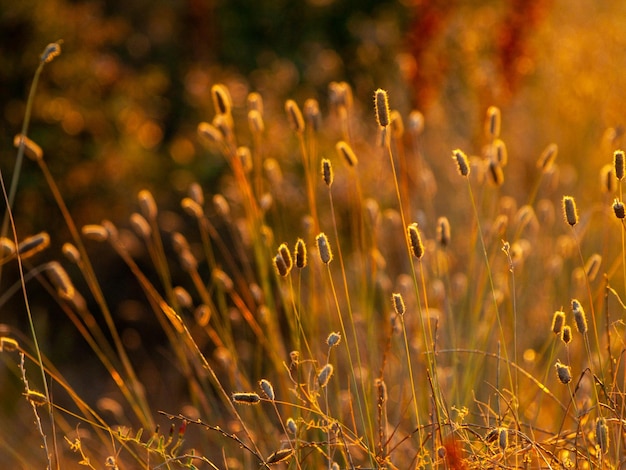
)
(291, 426)
(192, 208)
(267, 388)
(140, 225)
(36, 398)
(222, 280)
(602, 434)
(255, 102)
(443, 231)
(51, 51)
(461, 161)
(382, 107)
(566, 334)
(300, 253)
(326, 255)
(280, 265)
(496, 174)
(147, 204)
(196, 193)
(558, 320)
(221, 206)
(31, 149)
(569, 210)
(222, 102)
(183, 298)
(246, 398)
(592, 266)
(563, 372)
(579, 316)
(33, 245)
(60, 280)
(202, 314)
(416, 123)
(333, 339)
(398, 303)
(547, 157)
(71, 253)
(618, 209)
(503, 438)
(500, 153)
(492, 122)
(608, 182)
(327, 172)
(279, 456)
(283, 249)
(345, 151)
(618, 164)
(325, 374)
(95, 232)
(210, 134)
(8, 344)
(415, 240)
(312, 114)
(255, 122)
(7, 247)
(294, 115)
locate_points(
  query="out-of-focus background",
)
(118, 110)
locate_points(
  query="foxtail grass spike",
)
(563, 372)
(569, 210)
(294, 115)
(618, 209)
(618, 164)
(31, 149)
(579, 316)
(492, 122)
(382, 107)
(326, 255)
(300, 254)
(566, 334)
(327, 172)
(222, 102)
(415, 240)
(558, 321)
(461, 162)
(345, 151)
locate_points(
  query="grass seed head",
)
(147, 204)
(618, 209)
(51, 51)
(398, 303)
(602, 434)
(326, 255)
(210, 134)
(558, 320)
(569, 210)
(280, 265)
(279, 456)
(140, 225)
(495, 173)
(579, 316)
(345, 151)
(312, 114)
(8, 344)
(294, 115)
(291, 426)
(415, 240)
(60, 280)
(255, 122)
(223, 280)
(461, 161)
(283, 249)
(31, 149)
(381, 102)
(592, 266)
(222, 102)
(325, 375)
(443, 231)
(503, 438)
(563, 372)
(36, 398)
(618, 164)
(566, 334)
(33, 245)
(267, 388)
(246, 398)
(327, 172)
(547, 157)
(300, 253)
(183, 298)
(333, 339)
(492, 122)
(255, 102)
(608, 182)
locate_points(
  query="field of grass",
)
(365, 285)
